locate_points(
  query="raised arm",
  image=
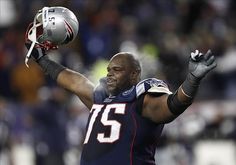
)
(78, 84)
(167, 107)
(66, 78)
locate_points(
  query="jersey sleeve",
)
(100, 92)
(152, 85)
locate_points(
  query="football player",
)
(127, 114)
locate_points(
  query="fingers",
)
(212, 66)
(196, 56)
(210, 60)
(27, 45)
(208, 55)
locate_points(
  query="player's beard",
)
(114, 88)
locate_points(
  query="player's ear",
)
(135, 76)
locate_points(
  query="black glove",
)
(49, 67)
(37, 52)
(200, 64)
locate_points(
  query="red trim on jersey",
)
(132, 144)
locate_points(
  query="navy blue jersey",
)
(117, 134)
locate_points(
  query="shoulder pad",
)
(152, 85)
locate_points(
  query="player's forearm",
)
(78, 84)
(69, 79)
(184, 95)
(50, 67)
(189, 88)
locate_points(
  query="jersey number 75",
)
(114, 125)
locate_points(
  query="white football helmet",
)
(52, 26)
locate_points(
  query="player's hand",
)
(200, 64)
(37, 52)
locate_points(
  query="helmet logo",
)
(69, 32)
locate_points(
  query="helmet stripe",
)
(70, 33)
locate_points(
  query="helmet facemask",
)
(35, 32)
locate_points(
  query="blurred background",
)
(43, 124)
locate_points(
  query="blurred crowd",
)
(47, 123)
